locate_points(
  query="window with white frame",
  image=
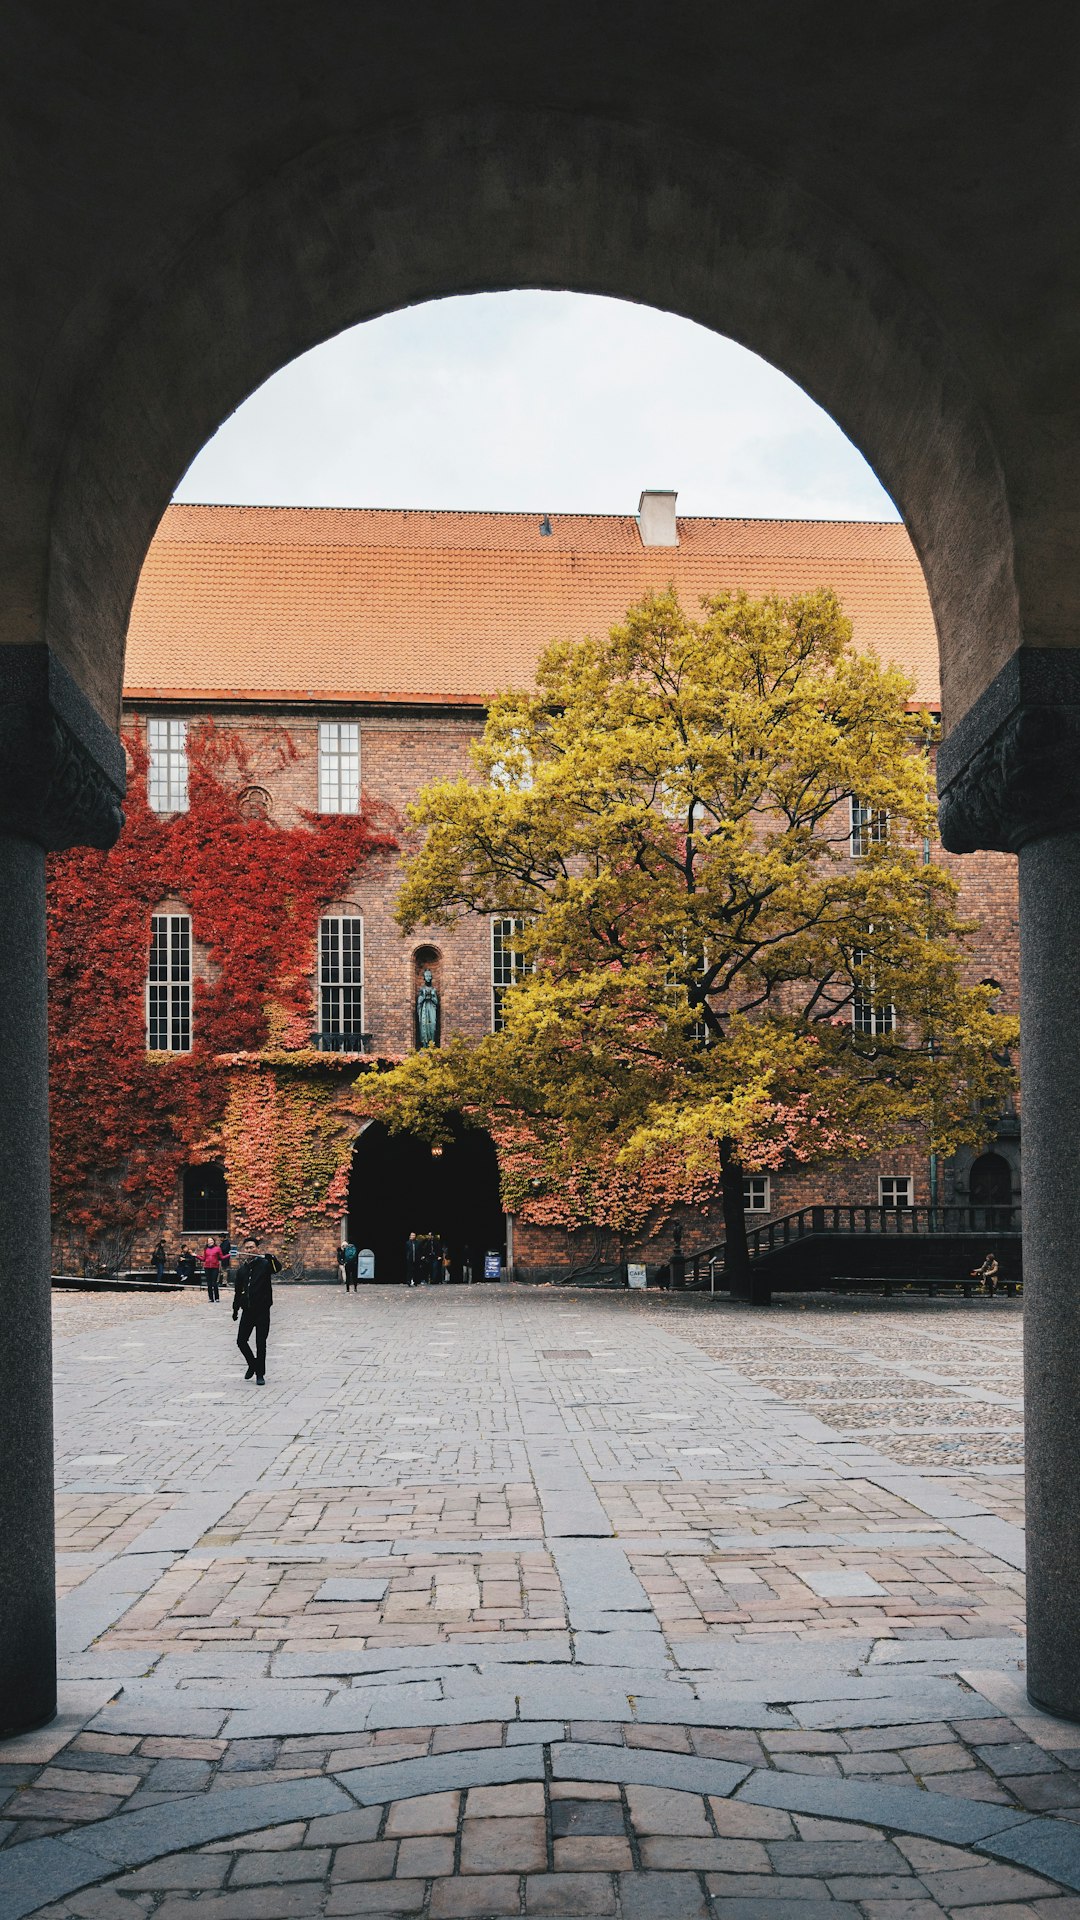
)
(869, 1016)
(339, 766)
(168, 985)
(756, 1196)
(869, 828)
(507, 966)
(894, 1190)
(514, 772)
(341, 982)
(167, 765)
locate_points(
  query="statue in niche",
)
(427, 1012)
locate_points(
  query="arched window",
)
(206, 1200)
(341, 983)
(168, 984)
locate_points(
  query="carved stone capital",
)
(1009, 772)
(62, 773)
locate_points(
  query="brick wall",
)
(402, 748)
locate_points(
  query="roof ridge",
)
(524, 513)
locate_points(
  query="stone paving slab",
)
(768, 1566)
(527, 1840)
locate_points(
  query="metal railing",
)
(811, 1221)
(342, 1042)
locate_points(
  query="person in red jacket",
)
(211, 1259)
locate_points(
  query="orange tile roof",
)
(355, 604)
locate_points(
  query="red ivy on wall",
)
(124, 1121)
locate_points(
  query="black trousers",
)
(260, 1324)
(213, 1284)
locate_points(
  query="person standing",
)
(413, 1260)
(211, 1260)
(252, 1301)
(226, 1257)
(350, 1261)
(186, 1265)
(157, 1260)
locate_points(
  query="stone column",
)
(1050, 1059)
(61, 778)
(1009, 777)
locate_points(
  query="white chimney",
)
(656, 518)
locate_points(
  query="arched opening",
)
(400, 1185)
(205, 1200)
(990, 1182)
(540, 201)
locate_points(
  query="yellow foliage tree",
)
(705, 963)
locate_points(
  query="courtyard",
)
(500, 1600)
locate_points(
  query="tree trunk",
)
(737, 1256)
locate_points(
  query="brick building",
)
(372, 638)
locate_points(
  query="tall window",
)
(339, 766)
(868, 1015)
(507, 967)
(341, 983)
(168, 987)
(869, 828)
(167, 774)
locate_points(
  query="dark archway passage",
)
(991, 1181)
(398, 1186)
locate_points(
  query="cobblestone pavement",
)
(505, 1601)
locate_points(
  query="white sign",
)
(636, 1276)
(365, 1265)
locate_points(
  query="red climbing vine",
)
(124, 1121)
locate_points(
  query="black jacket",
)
(254, 1291)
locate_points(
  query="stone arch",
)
(990, 1181)
(487, 201)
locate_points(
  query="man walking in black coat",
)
(252, 1301)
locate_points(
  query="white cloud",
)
(536, 401)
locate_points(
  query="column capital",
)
(1009, 772)
(62, 771)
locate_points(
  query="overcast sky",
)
(539, 402)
